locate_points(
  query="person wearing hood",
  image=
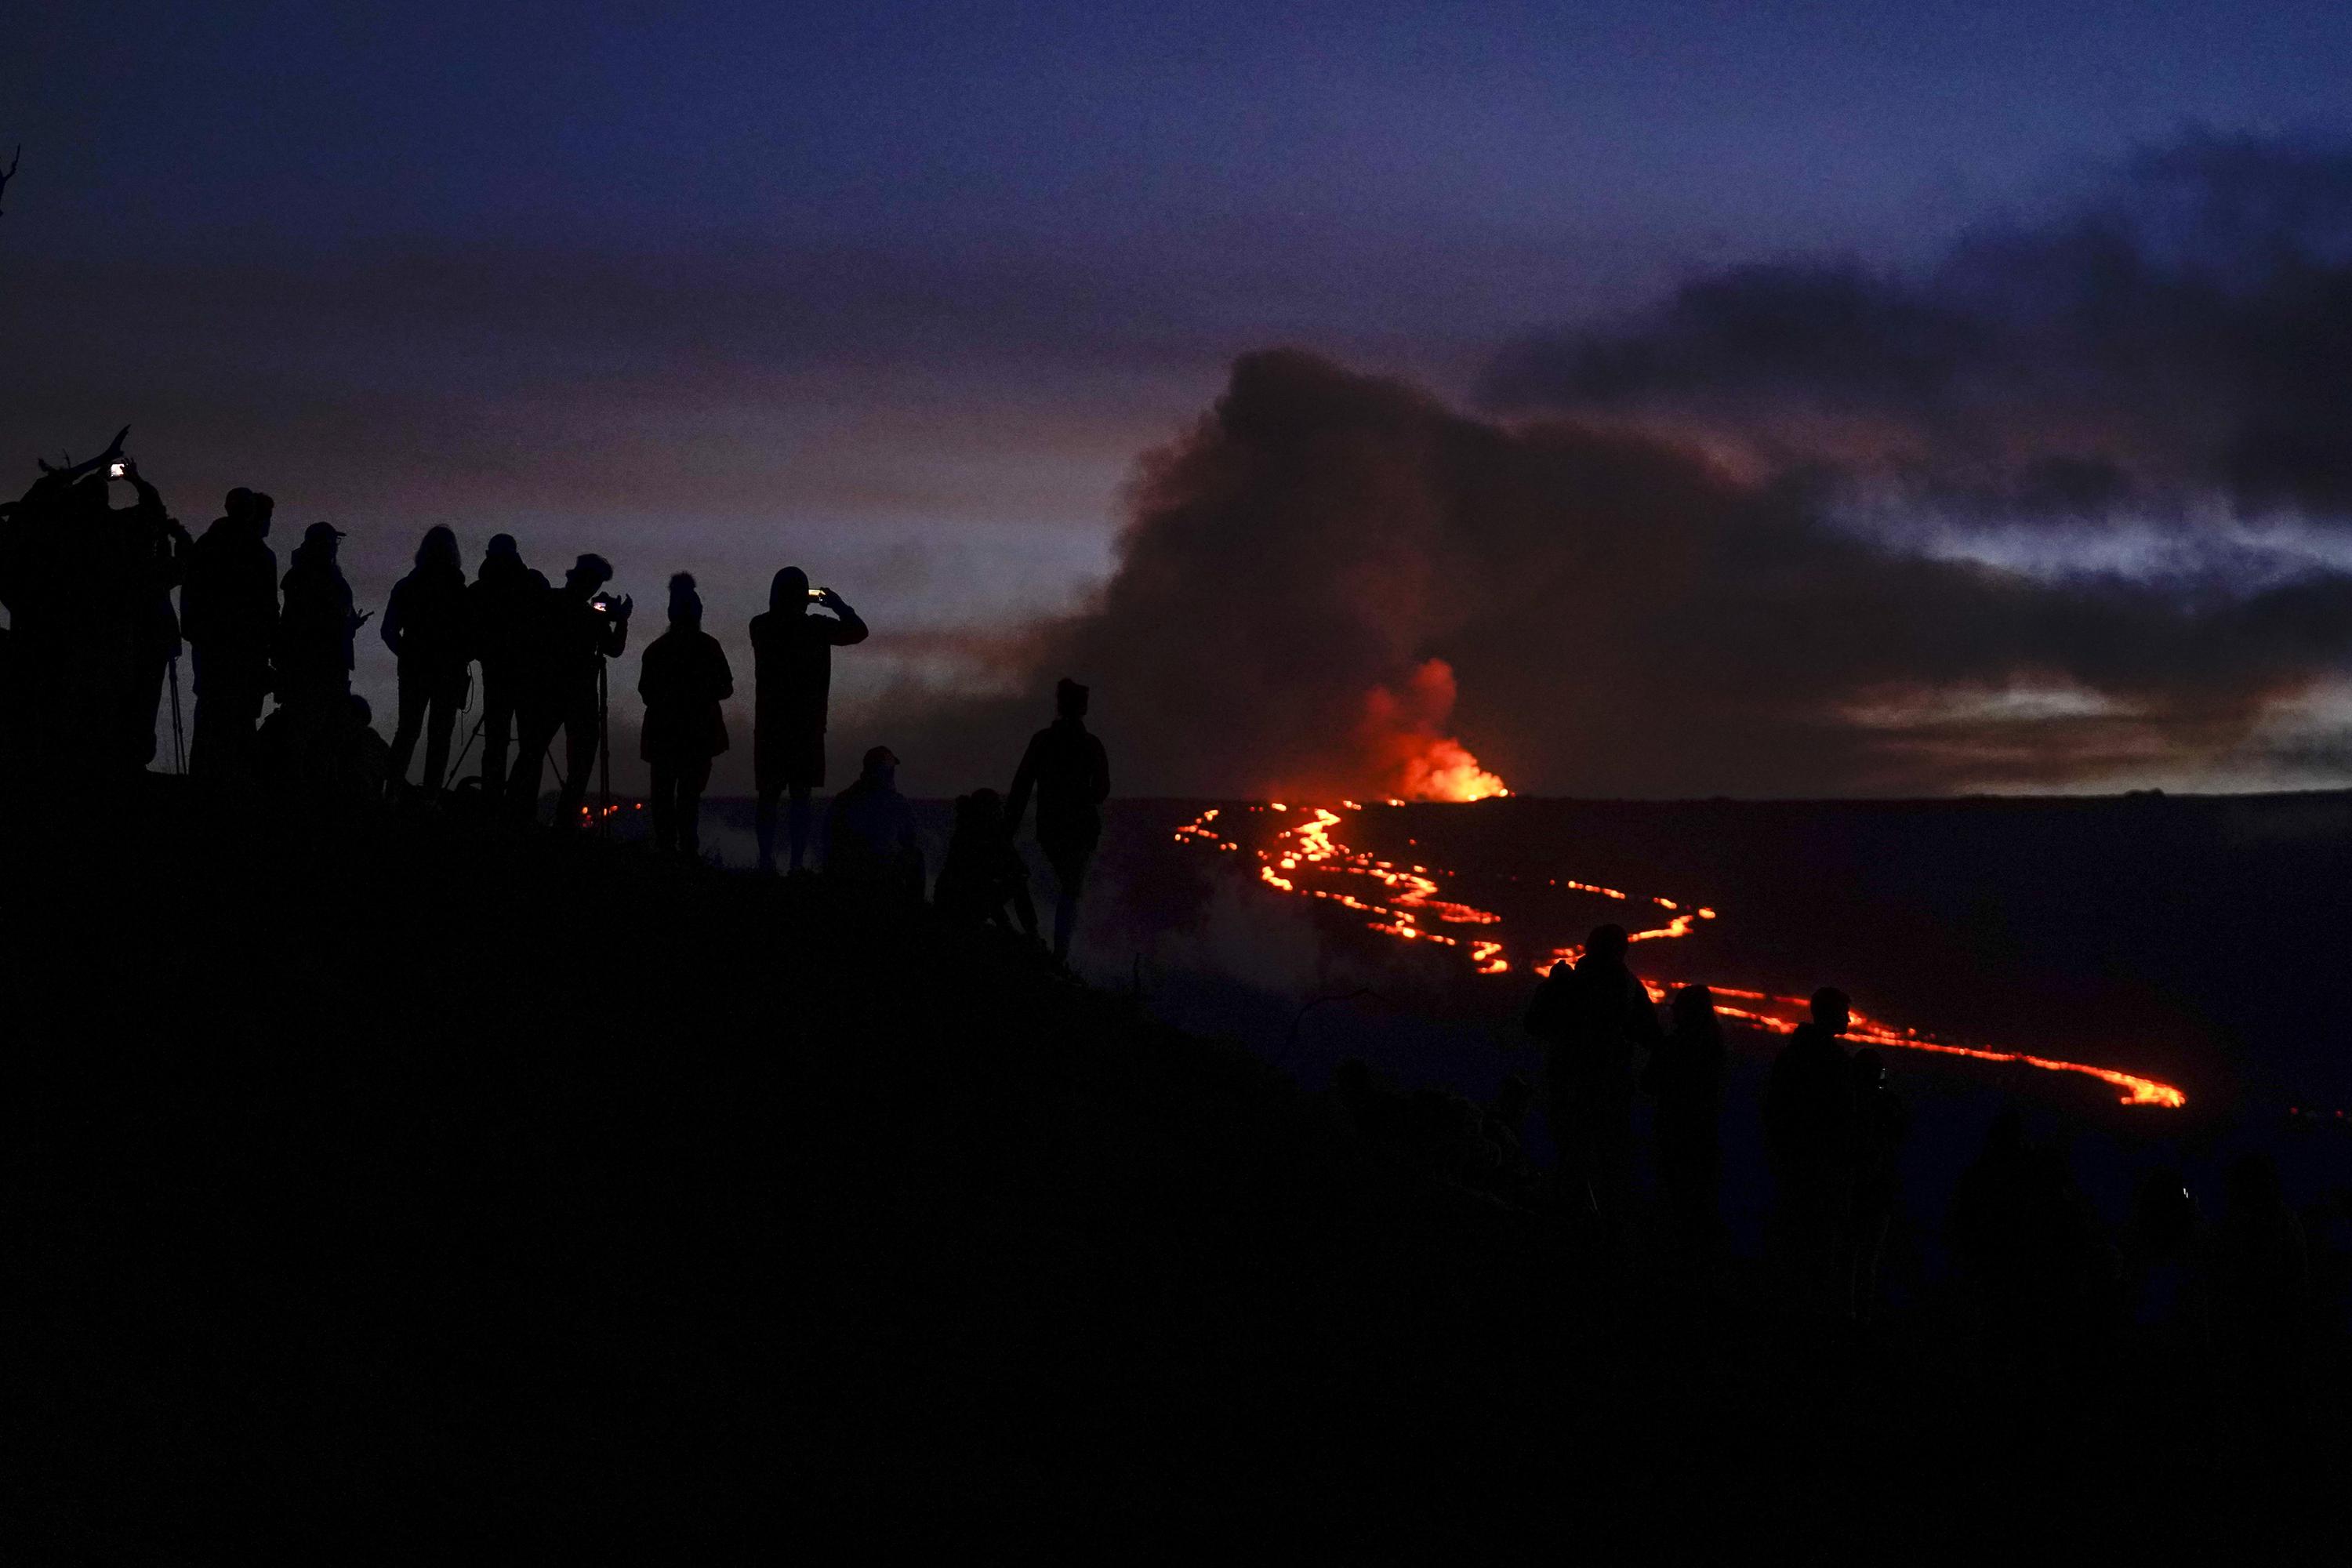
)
(683, 678)
(791, 654)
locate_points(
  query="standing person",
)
(1880, 1121)
(1686, 1073)
(501, 607)
(424, 626)
(157, 550)
(683, 678)
(1070, 772)
(1809, 1138)
(77, 611)
(228, 613)
(576, 630)
(792, 655)
(1593, 1017)
(313, 651)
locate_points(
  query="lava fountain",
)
(1402, 736)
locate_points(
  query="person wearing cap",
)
(313, 647)
(870, 841)
(792, 653)
(683, 678)
(228, 613)
(576, 630)
(1070, 774)
(502, 605)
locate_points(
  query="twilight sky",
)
(904, 292)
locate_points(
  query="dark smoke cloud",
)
(1622, 615)
(2180, 335)
(1709, 551)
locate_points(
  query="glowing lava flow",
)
(1398, 897)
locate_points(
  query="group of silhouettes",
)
(2022, 1232)
(95, 637)
(2248, 1290)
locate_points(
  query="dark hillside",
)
(390, 1183)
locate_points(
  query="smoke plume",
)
(1705, 551)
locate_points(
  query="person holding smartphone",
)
(791, 654)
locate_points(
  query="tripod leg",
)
(458, 766)
(604, 752)
(179, 736)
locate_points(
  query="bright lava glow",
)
(1397, 898)
(1446, 771)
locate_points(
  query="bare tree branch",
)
(11, 172)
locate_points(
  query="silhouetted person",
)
(313, 651)
(1449, 1137)
(68, 576)
(2261, 1302)
(1437, 1129)
(2167, 1322)
(683, 678)
(576, 630)
(425, 624)
(2164, 1257)
(871, 846)
(791, 657)
(2327, 1232)
(1989, 1207)
(2026, 1237)
(982, 872)
(363, 760)
(1685, 1075)
(1881, 1122)
(326, 757)
(2262, 1270)
(503, 605)
(89, 589)
(1378, 1113)
(1593, 1018)
(228, 613)
(157, 550)
(1504, 1123)
(1809, 1137)
(1070, 772)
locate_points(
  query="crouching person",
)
(871, 847)
(983, 872)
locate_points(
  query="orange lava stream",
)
(1398, 898)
